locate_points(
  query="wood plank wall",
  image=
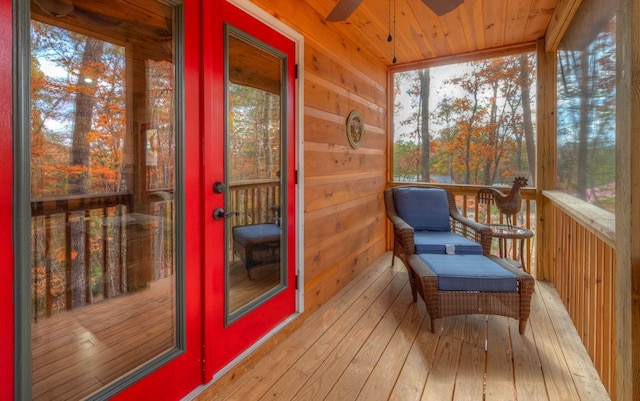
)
(344, 220)
(584, 273)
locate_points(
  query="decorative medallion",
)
(355, 129)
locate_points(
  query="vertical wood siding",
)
(344, 220)
(584, 275)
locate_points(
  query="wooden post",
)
(546, 158)
(627, 291)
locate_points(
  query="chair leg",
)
(433, 325)
(523, 326)
(393, 257)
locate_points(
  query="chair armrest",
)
(403, 233)
(473, 230)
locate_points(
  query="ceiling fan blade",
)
(343, 10)
(441, 7)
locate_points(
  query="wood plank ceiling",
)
(420, 34)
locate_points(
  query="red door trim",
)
(7, 342)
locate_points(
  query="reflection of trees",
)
(480, 129)
(78, 113)
(79, 132)
(254, 135)
(586, 117)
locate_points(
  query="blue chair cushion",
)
(436, 241)
(423, 208)
(470, 273)
(255, 233)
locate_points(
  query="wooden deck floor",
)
(371, 342)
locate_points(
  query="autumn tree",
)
(477, 130)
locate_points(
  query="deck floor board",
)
(371, 342)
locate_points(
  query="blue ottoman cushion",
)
(255, 232)
(423, 208)
(435, 242)
(470, 273)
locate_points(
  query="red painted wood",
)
(223, 344)
(184, 374)
(6, 207)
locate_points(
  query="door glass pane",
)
(103, 138)
(255, 269)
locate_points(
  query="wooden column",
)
(627, 291)
(546, 158)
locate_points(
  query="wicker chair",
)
(403, 233)
(514, 302)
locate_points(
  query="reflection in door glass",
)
(102, 196)
(253, 164)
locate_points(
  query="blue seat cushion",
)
(470, 273)
(255, 233)
(423, 208)
(435, 242)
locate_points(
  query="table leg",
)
(525, 268)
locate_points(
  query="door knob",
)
(219, 187)
(220, 214)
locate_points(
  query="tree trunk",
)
(472, 118)
(79, 182)
(583, 129)
(488, 176)
(526, 115)
(79, 179)
(425, 86)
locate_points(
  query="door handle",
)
(220, 214)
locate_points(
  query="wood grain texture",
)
(585, 277)
(79, 351)
(627, 284)
(371, 342)
(419, 34)
(344, 217)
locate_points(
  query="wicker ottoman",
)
(257, 244)
(472, 292)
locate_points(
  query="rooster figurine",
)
(508, 204)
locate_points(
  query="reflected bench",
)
(257, 244)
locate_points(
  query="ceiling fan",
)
(345, 8)
(64, 8)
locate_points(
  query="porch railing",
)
(581, 251)
(467, 201)
(87, 248)
(257, 200)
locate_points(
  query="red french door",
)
(249, 182)
(107, 217)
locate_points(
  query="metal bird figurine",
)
(508, 204)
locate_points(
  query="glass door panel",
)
(103, 184)
(255, 268)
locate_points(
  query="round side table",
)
(504, 232)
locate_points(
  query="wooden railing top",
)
(599, 221)
(469, 190)
(254, 183)
(76, 203)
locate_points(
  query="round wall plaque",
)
(355, 129)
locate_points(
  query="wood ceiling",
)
(474, 26)
(419, 34)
